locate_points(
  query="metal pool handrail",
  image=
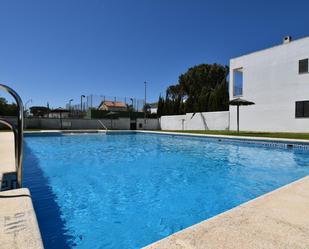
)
(18, 132)
(101, 123)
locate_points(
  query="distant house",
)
(113, 106)
(153, 108)
(39, 111)
(59, 113)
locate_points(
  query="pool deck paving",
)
(7, 158)
(18, 224)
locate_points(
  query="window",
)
(238, 82)
(302, 109)
(303, 66)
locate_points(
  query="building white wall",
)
(207, 121)
(272, 81)
(174, 122)
(153, 110)
(198, 121)
(150, 124)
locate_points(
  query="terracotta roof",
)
(114, 104)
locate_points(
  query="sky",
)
(56, 50)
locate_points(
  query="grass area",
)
(290, 135)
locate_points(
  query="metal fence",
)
(94, 101)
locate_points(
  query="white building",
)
(277, 81)
(153, 108)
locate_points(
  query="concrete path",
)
(7, 154)
(277, 220)
(18, 224)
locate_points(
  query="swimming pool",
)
(128, 190)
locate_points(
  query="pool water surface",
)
(127, 191)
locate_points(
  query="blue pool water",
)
(126, 191)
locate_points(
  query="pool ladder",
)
(18, 131)
(101, 123)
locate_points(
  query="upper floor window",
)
(238, 82)
(303, 66)
(302, 109)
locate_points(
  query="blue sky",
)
(59, 49)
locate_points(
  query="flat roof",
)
(272, 47)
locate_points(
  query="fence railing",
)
(94, 101)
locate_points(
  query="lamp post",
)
(70, 103)
(25, 107)
(60, 116)
(29, 101)
(81, 102)
(145, 102)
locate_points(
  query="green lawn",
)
(253, 134)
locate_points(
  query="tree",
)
(160, 106)
(202, 88)
(7, 109)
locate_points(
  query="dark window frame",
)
(303, 66)
(302, 109)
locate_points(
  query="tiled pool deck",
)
(279, 219)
